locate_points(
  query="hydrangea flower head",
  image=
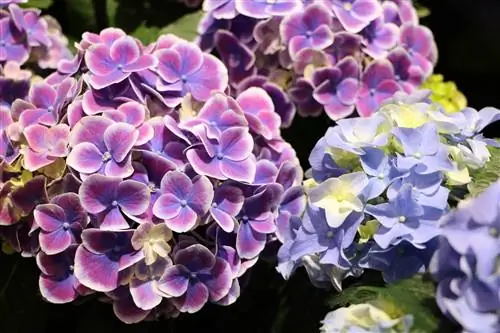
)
(467, 257)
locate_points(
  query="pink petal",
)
(85, 157)
(124, 50)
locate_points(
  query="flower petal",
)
(96, 271)
(119, 139)
(85, 157)
(174, 281)
(133, 197)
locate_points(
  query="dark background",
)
(468, 37)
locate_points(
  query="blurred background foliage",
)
(469, 47)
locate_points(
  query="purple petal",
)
(196, 258)
(177, 183)
(133, 197)
(201, 195)
(120, 170)
(100, 82)
(193, 300)
(98, 60)
(243, 171)
(134, 113)
(58, 291)
(203, 164)
(264, 226)
(113, 220)
(42, 95)
(49, 217)
(124, 50)
(96, 271)
(144, 294)
(223, 219)
(347, 91)
(212, 77)
(174, 281)
(170, 65)
(97, 192)
(183, 222)
(167, 206)
(366, 10)
(90, 129)
(55, 242)
(86, 158)
(376, 72)
(220, 280)
(143, 63)
(191, 57)
(249, 243)
(126, 310)
(119, 139)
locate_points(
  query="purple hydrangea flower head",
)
(183, 201)
(61, 222)
(256, 221)
(307, 29)
(109, 64)
(30, 23)
(184, 68)
(227, 203)
(111, 197)
(45, 145)
(377, 84)
(100, 145)
(419, 42)
(264, 8)
(221, 9)
(11, 47)
(229, 157)
(379, 38)
(102, 256)
(337, 88)
(406, 74)
(466, 262)
(57, 282)
(356, 14)
(239, 58)
(196, 277)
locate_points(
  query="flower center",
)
(372, 92)
(183, 78)
(347, 6)
(220, 156)
(106, 156)
(381, 176)
(152, 187)
(494, 232)
(65, 225)
(120, 67)
(71, 268)
(402, 219)
(114, 203)
(308, 34)
(50, 109)
(329, 234)
(214, 204)
(244, 218)
(397, 77)
(193, 275)
(183, 203)
(417, 155)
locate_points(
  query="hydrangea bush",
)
(315, 55)
(130, 172)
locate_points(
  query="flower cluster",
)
(315, 55)
(28, 39)
(467, 263)
(364, 318)
(129, 172)
(378, 187)
(445, 93)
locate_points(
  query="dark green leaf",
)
(484, 177)
(146, 34)
(41, 4)
(185, 27)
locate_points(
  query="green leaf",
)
(41, 4)
(413, 296)
(484, 177)
(185, 27)
(146, 34)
